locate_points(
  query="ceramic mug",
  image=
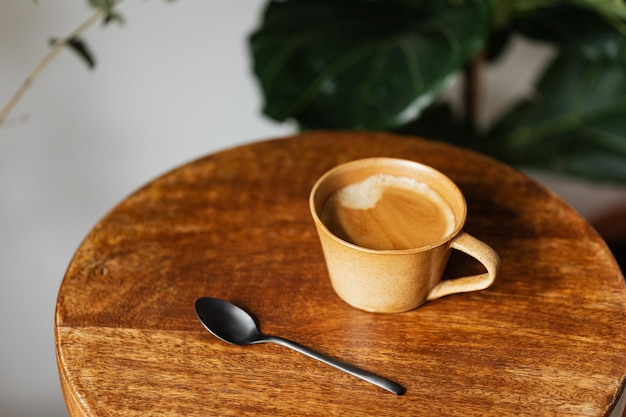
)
(387, 227)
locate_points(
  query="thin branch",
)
(472, 86)
(58, 46)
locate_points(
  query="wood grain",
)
(548, 338)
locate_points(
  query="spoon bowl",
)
(228, 322)
(233, 325)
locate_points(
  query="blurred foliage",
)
(104, 12)
(383, 64)
(79, 45)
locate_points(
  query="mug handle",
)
(468, 244)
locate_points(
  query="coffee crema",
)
(387, 212)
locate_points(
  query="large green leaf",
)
(610, 8)
(576, 31)
(576, 125)
(362, 64)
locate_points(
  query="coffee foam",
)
(365, 194)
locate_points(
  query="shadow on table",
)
(612, 227)
(619, 252)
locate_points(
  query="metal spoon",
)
(232, 324)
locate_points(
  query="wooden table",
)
(548, 338)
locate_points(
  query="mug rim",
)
(459, 223)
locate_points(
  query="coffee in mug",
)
(387, 227)
(388, 212)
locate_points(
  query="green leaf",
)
(608, 8)
(362, 64)
(113, 16)
(79, 47)
(576, 125)
(100, 4)
(575, 31)
(107, 6)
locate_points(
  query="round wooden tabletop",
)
(548, 338)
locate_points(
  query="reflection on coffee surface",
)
(388, 212)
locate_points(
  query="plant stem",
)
(54, 51)
(471, 88)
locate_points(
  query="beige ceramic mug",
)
(387, 227)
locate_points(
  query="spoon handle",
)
(346, 367)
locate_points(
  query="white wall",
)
(171, 85)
